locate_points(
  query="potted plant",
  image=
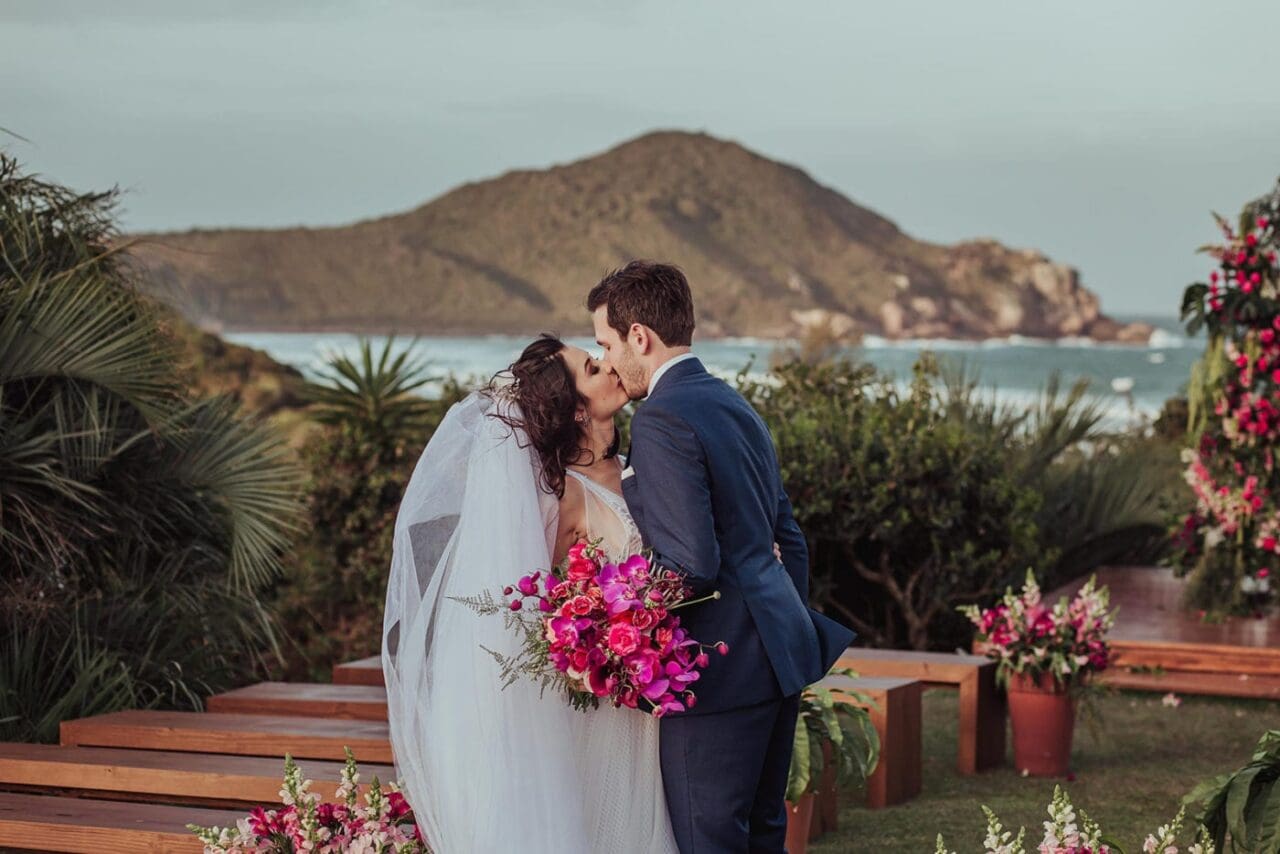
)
(1045, 656)
(835, 745)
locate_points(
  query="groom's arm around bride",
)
(708, 497)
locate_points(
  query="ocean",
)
(1132, 382)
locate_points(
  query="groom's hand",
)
(777, 552)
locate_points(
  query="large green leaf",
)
(799, 779)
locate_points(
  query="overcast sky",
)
(1100, 132)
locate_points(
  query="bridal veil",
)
(486, 769)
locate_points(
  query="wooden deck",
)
(365, 671)
(241, 735)
(1158, 645)
(43, 823)
(317, 700)
(157, 775)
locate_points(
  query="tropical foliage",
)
(137, 525)
(832, 730)
(1230, 541)
(1246, 802)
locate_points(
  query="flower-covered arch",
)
(1229, 544)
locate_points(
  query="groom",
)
(703, 485)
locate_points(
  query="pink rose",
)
(643, 620)
(581, 569)
(623, 638)
(581, 605)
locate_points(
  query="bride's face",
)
(596, 382)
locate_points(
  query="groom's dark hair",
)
(651, 294)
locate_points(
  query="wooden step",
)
(1196, 657)
(316, 699)
(366, 671)
(41, 823)
(163, 775)
(1211, 684)
(243, 735)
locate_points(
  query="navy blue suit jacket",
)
(708, 498)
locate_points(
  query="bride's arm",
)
(573, 518)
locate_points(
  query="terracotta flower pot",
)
(1044, 717)
(799, 818)
(826, 804)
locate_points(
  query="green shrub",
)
(908, 511)
(919, 499)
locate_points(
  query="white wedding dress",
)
(487, 768)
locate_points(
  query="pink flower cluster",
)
(383, 823)
(1026, 636)
(1244, 263)
(609, 631)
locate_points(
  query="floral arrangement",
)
(603, 631)
(382, 825)
(1026, 636)
(1063, 835)
(1230, 540)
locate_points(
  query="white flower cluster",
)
(1068, 833)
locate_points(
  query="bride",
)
(514, 476)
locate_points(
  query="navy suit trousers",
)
(726, 776)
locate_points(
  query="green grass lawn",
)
(1131, 778)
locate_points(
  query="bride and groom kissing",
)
(516, 475)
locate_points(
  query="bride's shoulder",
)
(573, 515)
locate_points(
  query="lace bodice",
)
(609, 520)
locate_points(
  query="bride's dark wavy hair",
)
(541, 384)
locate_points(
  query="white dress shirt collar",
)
(664, 367)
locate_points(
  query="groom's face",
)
(620, 355)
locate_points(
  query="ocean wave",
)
(1165, 340)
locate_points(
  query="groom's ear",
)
(640, 338)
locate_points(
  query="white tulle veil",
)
(485, 769)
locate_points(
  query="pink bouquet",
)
(607, 631)
(383, 823)
(1067, 639)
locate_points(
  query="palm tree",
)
(377, 398)
(137, 526)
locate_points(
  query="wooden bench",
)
(366, 671)
(897, 718)
(243, 735)
(982, 705)
(307, 699)
(162, 775)
(41, 823)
